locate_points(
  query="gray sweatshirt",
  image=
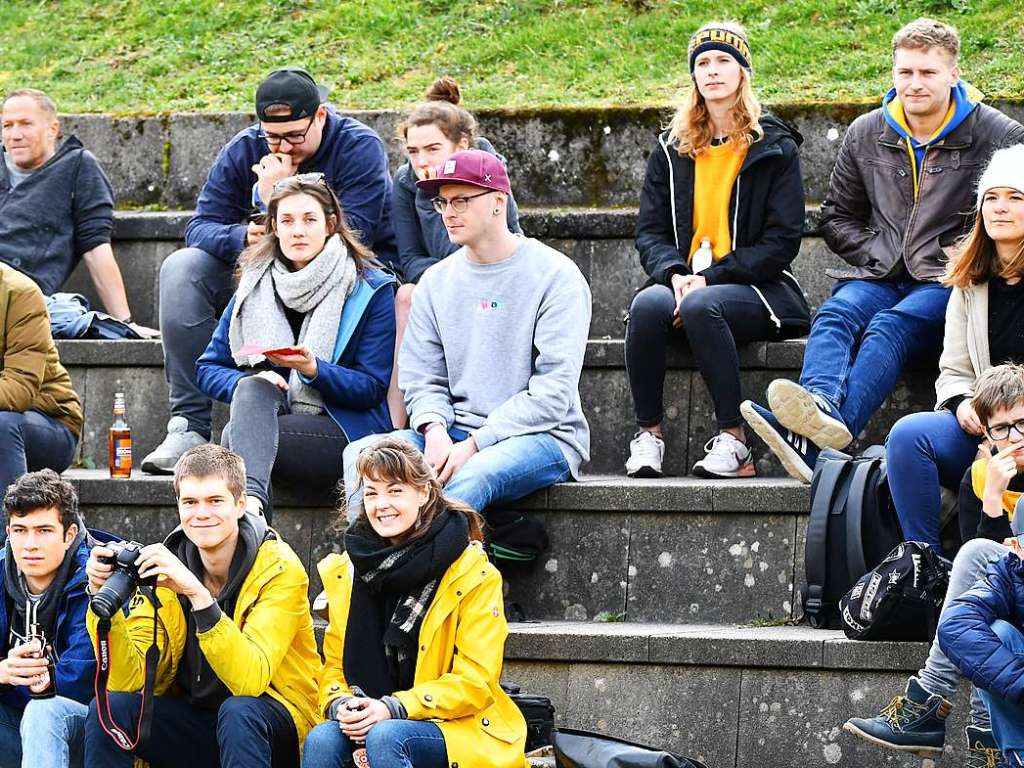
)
(497, 349)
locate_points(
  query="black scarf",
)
(393, 588)
(48, 604)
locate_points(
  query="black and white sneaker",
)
(808, 414)
(797, 454)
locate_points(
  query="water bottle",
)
(703, 257)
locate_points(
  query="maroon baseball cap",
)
(470, 166)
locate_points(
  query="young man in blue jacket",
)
(297, 132)
(43, 604)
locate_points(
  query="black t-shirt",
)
(295, 319)
(1005, 321)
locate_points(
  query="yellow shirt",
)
(713, 178)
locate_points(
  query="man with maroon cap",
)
(297, 133)
(491, 360)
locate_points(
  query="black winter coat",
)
(767, 205)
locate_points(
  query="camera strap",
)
(106, 717)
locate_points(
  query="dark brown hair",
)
(269, 247)
(442, 109)
(392, 459)
(212, 460)
(44, 489)
(998, 388)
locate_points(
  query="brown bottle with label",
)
(119, 441)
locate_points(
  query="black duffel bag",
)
(900, 599)
(582, 749)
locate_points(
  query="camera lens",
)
(113, 594)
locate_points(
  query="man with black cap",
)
(297, 133)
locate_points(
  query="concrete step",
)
(559, 156)
(98, 369)
(674, 550)
(599, 240)
(743, 697)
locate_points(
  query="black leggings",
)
(301, 450)
(715, 320)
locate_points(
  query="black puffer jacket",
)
(767, 218)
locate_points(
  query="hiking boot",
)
(646, 452)
(808, 414)
(179, 439)
(726, 457)
(914, 722)
(797, 454)
(982, 750)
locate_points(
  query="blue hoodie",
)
(76, 664)
(351, 156)
(960, 107)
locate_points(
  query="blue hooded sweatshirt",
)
(961, 105)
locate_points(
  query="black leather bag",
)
(582, 749)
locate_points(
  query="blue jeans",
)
(50, 733)
(32, 441)
(389, 744)
(246, 732)
(1007, 716)
(926, 451)
(863, 336)
(501, 473)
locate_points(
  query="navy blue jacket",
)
(351, 156)
(419, 230)
(354, 385)
(966, 636)
(61, 211)
(76, 665)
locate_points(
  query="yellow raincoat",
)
(267, 647)
(458, 665)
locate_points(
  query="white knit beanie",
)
(1005, 169)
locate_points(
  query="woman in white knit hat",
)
(984, 327)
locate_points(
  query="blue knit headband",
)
(720, 39)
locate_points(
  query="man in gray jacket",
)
(900, 196)
(491, 361)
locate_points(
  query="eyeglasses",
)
(1002, 431)
(315, 177)
(460, 204)
(294, 138)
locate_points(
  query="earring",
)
(497, 211)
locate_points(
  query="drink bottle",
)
(119, 441)
(703, 257)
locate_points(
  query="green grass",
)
(208, 55)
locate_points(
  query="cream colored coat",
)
(965, 352)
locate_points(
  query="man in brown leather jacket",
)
(901, 194)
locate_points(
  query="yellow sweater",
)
(714, 174)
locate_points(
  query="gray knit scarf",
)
(318, 290)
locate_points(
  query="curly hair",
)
(44, 489)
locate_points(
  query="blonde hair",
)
(924, 33)
(977, 261)
(691, 126)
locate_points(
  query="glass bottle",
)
(119, 441)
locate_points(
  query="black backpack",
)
(852, 527)
(514, 539)
(900, 599)
(538, 713)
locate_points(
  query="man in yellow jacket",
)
(234, 684)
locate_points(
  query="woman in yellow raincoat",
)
(417, 632)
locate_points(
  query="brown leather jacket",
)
(869, 218)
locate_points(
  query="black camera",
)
(123, 581)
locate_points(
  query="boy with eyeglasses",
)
(297, 133)
(915, 722)
(491, 360)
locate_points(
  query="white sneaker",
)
(179, 439)
(726, 457)
(646, 452)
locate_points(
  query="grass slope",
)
(208, 55)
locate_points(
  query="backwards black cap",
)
(288, 94)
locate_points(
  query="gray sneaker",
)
(179, 439)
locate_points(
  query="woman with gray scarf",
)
(303, 351)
